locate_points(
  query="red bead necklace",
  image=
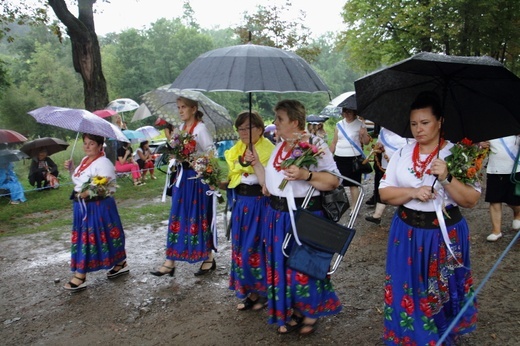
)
(84, 164)
(279, 158)
(419, 167)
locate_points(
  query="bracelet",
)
(447, 180)
(309, 177)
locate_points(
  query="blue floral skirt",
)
(189, 236)
(287, 289)
(98, 239)
(425, 286)
(247, 274)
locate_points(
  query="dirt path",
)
(140, 309)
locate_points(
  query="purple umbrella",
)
(79, 120)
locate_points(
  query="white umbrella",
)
(141, 113)
(334, 107)
(148, 132)
(122, 105)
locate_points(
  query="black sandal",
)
(255, 305)
(123, 269)
(313, 326)
(291, 328)
(75, 288)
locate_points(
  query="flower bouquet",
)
(182, 145)
(99, 186)
(208, 170)
(465, 161)
(303, 154)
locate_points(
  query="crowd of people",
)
(428, 272)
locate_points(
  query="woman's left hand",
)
(294, 172)
(439, 169)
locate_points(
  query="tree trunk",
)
(86, 54)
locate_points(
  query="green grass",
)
(51, 210)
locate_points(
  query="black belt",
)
(280, 203)
(249, 190)
(186, 165)
(428, 219)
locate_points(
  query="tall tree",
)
(86, 55)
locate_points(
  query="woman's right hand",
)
(68, 164)
(424, 193)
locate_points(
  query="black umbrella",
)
(250, 68)
(11, 155)
(480, 97)
(51, 144)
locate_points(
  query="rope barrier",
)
(470, 301)
(65, 184)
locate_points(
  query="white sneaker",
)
(494, 237)
(516, 224)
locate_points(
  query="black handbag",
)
(513, 175)
(359, 166)
(335, 203)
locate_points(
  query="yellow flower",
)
(97, 180)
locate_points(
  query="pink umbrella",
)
(104, 113)
(10, 136)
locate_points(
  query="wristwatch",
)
(447, 180)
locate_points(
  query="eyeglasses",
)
(244, 129)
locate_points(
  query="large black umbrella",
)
(250, 68)
(51, 144)
(480, 97)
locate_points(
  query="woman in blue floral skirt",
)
(247, 274)
(98, 239)
(189, 236)
(295, 300)
(428, 277)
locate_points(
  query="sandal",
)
(311, 327)
(250, 304)
(75, 288)
(123, 269)
(289, 328)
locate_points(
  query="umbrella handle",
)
(71, 167)
(243, 163)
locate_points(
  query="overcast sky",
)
(322, 16)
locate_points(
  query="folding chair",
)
(124, 176)
(318, 240)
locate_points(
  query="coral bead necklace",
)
(419, 167)
(279, 158)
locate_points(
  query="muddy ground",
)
(140, 309)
